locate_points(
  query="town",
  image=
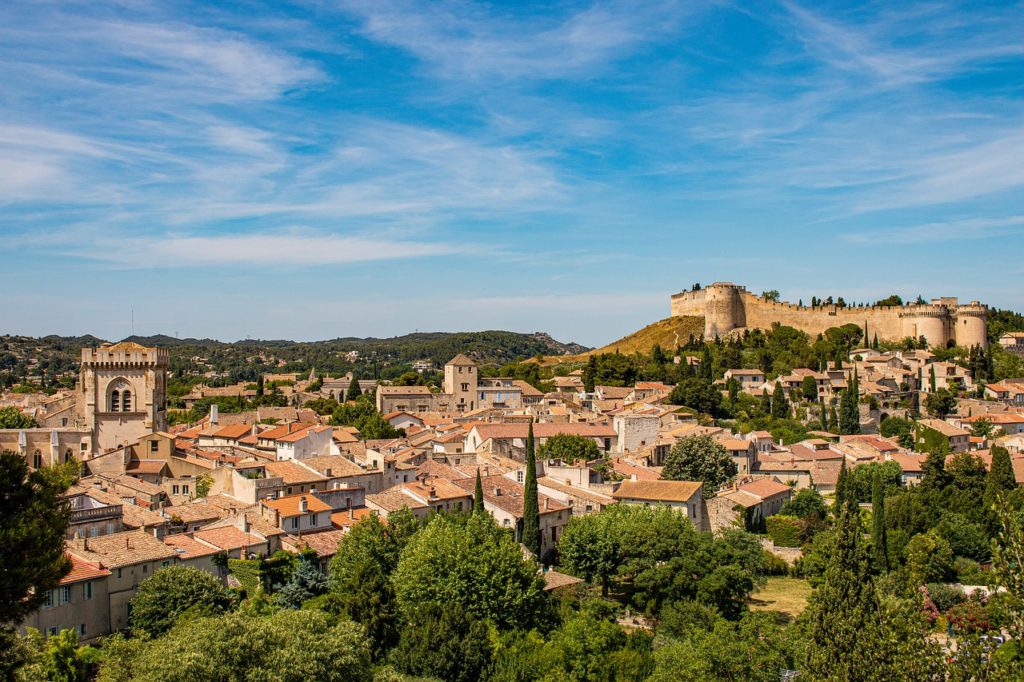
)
(763, 433)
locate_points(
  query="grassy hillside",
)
(667, 333)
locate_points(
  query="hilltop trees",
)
(700, 458)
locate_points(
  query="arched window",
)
(37, 460)
(115, 401)
(68, 455)
(126, 401)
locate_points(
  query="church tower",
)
(123, 393)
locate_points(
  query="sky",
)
(333, 168)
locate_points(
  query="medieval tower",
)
(123, 393)
(727, 307)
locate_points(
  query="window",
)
(184, 490)
(312, 520)
(50, 632)
(465, 387)
(115, 401)
(87, 589)
(145, 568)
(119, 572)
(37, 460)
(153, 446)
(519, 477)
(174, 490)
(126, 401)
(68, 455)
(505, 522)
(64, 595)
(295, 522)
(48, 599)
(81, 630)
(166, 564)
(63, 421)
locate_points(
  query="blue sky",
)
(336, 168)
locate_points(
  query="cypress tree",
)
(590, 374)
(931, 379)
(766, 404)
(841, 489)
(874, 344)
(705, 370)
(878, 532)
(866, 337)
(478, 495)
(353, 389)
(531, 505)
(780, 405)
(823, 415)
(1001, 474)
(259, 386)
(833, 418)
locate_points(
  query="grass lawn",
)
(785, 597)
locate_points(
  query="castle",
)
(727, 307)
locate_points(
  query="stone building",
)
(123, 393)
(726, 307)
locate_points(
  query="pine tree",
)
(879, 535)
(780, 405)
(353, 389)
(478, 495)
(531, 505)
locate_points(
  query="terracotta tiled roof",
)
(150, 467)
(291, 505)
(305, 433)
(234, 431)
(188, 547)
(393, 499)
(323, 542)
(553, 580)
(461, 359)
(195, 512)
(339, 466)
(121, 549)
(765, 488)
(660, 491)
(349, 517)
(82, 570)
(228, 537)
(507, 495)
(293, 473)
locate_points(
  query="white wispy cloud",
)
(946, 231)
(294, 248)
(462, 40)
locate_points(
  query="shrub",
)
(774, 564)
(945, 596)
(785, 531)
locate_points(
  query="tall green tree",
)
(780, 404)
(170, 592)
(879, 537)
(531, 503)
(590, 374)
(33, 523)
(849, 408)
(445, 643)
(478, 495)
(354, 391)
(699, 458)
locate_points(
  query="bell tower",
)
(123, 393)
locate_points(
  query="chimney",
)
(545, 504)
(213, 414)
(85, 543)
(245, 523)
(327, 472)
(303, 505)
(351, 513)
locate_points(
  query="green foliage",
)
(899, 428)
(531, 501)
(940, 403)
(700, 458)
(753, 649)
(785, 531)
(780, 405)
(849, 410)
(444, 642)
(569, 448)
(58, 658)
(354, 391)
(33, 523)
(13, 418)
(164, 596)
(203, 484)
(699, 394)
(861, 479)
(286, 646)
(879, 532)
(806, 504)
(655, 555)
(363, 415)
(471, 562)
(478, 495)
(929, 559)
(307, 581)
(809, 389)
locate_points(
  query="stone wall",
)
(727, 307)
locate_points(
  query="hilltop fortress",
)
(727, 307)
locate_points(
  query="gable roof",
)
(660, 491)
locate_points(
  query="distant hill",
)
(667, 333)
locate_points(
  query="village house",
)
(683, 496)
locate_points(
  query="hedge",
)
(785, 531)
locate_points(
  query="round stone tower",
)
(971, 325)
(723, 309)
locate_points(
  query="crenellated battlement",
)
(727, 307)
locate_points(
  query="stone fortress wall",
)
(727, 307)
